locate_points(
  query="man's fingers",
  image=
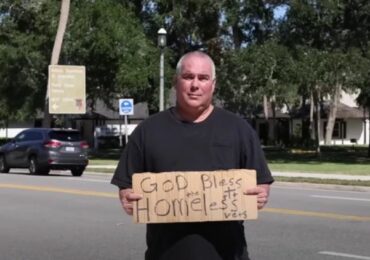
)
(127, 198)
(253, 191)
(262, 195)
(133, 196)
(128, 207)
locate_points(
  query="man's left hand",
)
(262, 191)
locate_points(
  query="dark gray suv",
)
(43, 149)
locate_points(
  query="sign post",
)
(126, 107)
(67, 85)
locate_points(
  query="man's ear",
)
(214, 86)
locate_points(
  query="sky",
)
(280, 11)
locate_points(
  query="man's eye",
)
(187, 76)
(203, 78)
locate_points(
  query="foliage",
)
(248, 74)
(105, 36)
(24, 48)
(316, 46)
(120, 61)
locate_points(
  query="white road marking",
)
(84, 179)
(344, 255)
(339, 198)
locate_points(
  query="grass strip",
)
(323, 181)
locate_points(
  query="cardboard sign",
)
(194, 196)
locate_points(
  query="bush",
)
(4, 140)
(106, 142)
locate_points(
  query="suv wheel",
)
(35, 168)
(77, 171)
(3, 166)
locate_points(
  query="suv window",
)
(33, 136)
(65, 135)
(21, 137)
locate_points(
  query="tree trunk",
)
(318, 120)
(312, 126)
(368, 150)
(237, 36)
(274, 124)
(63, 19)
(265, 107)
(333, 106)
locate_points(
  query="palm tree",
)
(63, 19)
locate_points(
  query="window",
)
(35, 136)
(339, 131)
(65, 136)
(20, 137)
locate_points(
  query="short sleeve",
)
(131, 162)
(255, 158)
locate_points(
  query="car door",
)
(14, 152)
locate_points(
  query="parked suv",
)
(43, 149)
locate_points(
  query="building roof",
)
(343, 111)
(259, 113)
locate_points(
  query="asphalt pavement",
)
(61, 217)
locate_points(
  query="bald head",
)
(196, 54)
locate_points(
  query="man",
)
(193, 136)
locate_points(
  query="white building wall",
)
(14, 128)
(365, 135)
(355, 130)
(10, 132)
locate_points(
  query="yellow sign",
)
(67, 89)
(194, 196)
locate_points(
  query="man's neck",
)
(194, 116)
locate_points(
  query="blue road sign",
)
(126, 106)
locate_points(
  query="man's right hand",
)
(127, 197)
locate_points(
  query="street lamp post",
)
(162, 41)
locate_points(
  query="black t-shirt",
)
(163, 143)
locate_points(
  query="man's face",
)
(194, 85)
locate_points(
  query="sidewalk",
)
(281, 174)
(322, 176)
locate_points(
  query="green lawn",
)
(105, 157)
(323, 167)
(95, 161)
(338, 160)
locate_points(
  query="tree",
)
(364, 100)
(24, 48)
(339, 72)
(63, 19)
(248, 22)
(248, 74)
(104, 36)
(324, 26)
(120, 61)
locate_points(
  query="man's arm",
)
(127, 198)
(262, 191)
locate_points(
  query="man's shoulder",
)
(155, 118)
(154, 121)
(228, 115)
(227, 118)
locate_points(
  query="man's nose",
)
(195, 83)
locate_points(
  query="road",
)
(64, 217)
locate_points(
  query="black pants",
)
(195, 247)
